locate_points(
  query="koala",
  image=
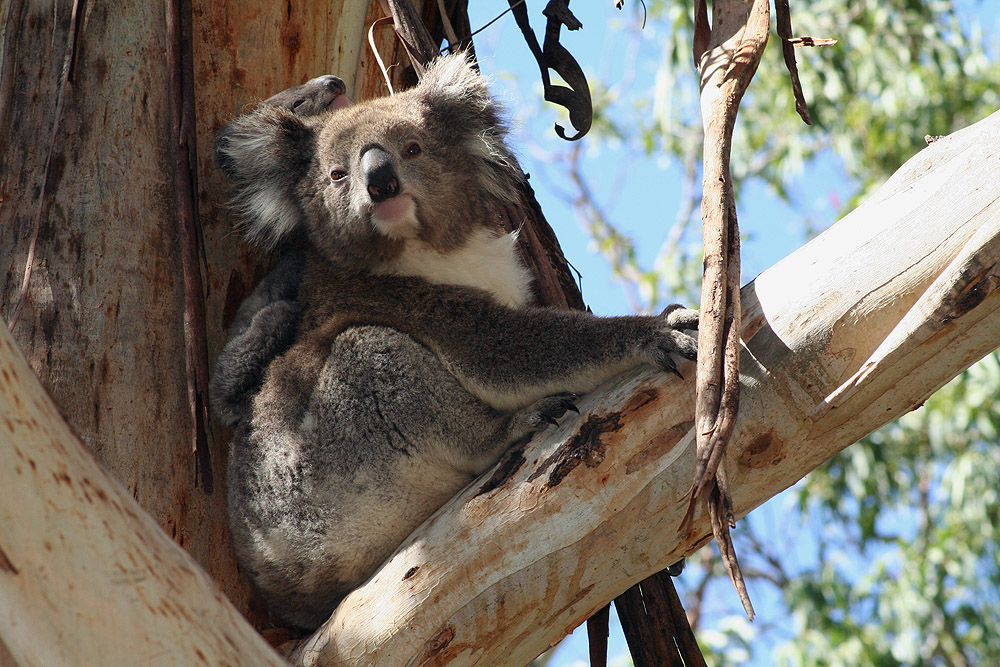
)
(267, 320)
(312, 97)
(416, 360)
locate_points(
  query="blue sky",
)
(641, 195)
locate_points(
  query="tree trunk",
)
(87, 577)
(85, 170)
(904, 289)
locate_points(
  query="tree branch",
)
(87, 577)
(738, 36)
(504, 570)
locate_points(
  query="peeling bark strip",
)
(784, 27)
(737, 40)
(553, 55)
(183, 157)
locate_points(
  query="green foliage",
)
(919, 502)
(901, 69)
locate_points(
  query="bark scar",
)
(585, 447)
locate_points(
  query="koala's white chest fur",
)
(486, 261)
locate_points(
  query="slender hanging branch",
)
(734, 48)
(784, 26)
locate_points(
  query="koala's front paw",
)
(670, 338)
(681, 318)
(541, 413)
(240, 367)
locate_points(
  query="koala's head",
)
(428, 164)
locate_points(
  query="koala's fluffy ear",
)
(266, 154)
(458, 100)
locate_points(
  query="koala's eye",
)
(412, 150)
(337, 175)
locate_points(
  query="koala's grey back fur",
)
(416, 362)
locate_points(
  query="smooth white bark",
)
(86, 576)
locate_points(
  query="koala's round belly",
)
(326, 482)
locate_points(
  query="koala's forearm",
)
(525, 354)
(508, 357)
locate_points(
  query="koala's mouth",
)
(338, 102)
(396, 218)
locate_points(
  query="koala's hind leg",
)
(540, 414)
(381, 381)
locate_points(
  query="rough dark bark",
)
(659, 632)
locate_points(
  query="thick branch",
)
(507, 568)
(75, 540)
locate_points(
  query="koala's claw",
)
(669, 366)
(548, 410)
(569, 400)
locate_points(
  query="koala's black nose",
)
(380, 174)
(331, 83)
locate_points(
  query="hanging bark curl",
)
(735, 44)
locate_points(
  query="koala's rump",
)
(352, 444)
